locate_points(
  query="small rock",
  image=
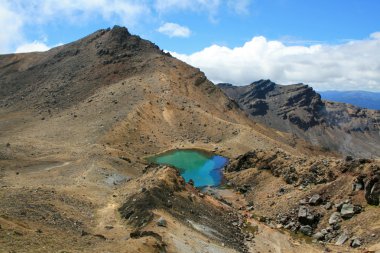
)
(315, 200)
(324, 231)
(161, 222)
(328, 205)
(338, 206)
(243, 189)
(347, 211)
(306, 230)
(329, 237)
(372, 190)
(336, 226)
(302, 212)
(305, 217)
(319, 236)
(290, 225)
(342, 239)
(334, 218)
(357, 186)
(355, 243)
(357, 209)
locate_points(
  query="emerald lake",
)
(204, 168)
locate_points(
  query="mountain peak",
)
(119, 33)
(261, 82)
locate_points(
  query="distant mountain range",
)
(365, 99)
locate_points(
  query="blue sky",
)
(330, 44)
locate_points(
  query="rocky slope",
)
(333, 201)
(299, 110)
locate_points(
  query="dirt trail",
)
(57, 166)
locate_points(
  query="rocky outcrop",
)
(372, 190)
(299, 110)
(163, 188)
(292, 169)
(296, 103)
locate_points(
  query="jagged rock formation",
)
(299, 110)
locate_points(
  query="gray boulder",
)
(338, 206)
(347, 211)
(315, 200)
(303, 212)
(328, 205)
(306, 230)
(319, 236)
(372, 191)
(334, 218)
(305, 217)
(342, 239)
(162, 222)
(355, 242)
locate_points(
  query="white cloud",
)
(351, 66)
(209, 6)
(375, 35)
(35, 46)
(194, 5)
(127, 12)
(11, 24)
(174, 30)
(15, 15)
(239, 6)
(18, 15)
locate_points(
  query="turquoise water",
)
(202, 167)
